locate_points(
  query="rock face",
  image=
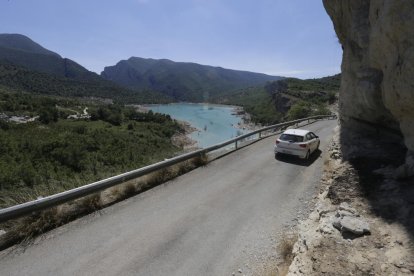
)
(377, 86)
(277, 90)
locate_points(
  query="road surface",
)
(214, 220)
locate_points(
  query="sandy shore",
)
(182, 139)
(139, 108)
(246, 122)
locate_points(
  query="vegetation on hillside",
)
(312, 96)
(286, 99)
(53, 153)
(19, 78)
(182, 81)
(255, 101)
(331, 83)
(22, 51)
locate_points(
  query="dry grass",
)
(285, 257)
(28, 227)
(285, 251)
(89, 203)
(201, 160)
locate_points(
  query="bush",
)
(299, 110)
(321, 110)
(48, 115)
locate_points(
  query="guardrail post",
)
(236, 144)
(260, 135)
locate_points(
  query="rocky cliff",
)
(377, 87)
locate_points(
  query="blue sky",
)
(278, 37)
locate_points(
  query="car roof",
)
(300, 132)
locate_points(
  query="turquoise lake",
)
(214, 123)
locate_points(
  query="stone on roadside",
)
(343, 213)
(354, 225)
(325, 226)
(324, 208)
(344, 206)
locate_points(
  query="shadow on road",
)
(297, 161)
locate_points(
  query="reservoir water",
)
(214, 123)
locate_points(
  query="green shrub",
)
(299, 110)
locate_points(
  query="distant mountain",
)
(23, 43)
(181, 80)
(28, 67)
(22, 51)
(20, 79)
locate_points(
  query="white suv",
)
(297, 142)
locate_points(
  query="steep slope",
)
(181, 80)
(23, 43)
(21, 50)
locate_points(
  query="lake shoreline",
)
(193, 129)
(183, 139)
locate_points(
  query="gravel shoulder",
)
(354, 192)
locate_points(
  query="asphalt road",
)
(214, 220)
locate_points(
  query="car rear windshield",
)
(291, 138)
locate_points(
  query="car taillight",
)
(302, 145)
(277, 141)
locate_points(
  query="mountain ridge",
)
(185, 81)
(23, 43)
(22, 51)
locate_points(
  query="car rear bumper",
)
(298, 153)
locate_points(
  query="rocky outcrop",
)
(377, 86)
(277, 90)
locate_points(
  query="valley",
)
(62, 126)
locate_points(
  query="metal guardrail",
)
(20, 210)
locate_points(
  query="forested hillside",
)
(36, 82)
(286, 99)
(49, 144)
(22, 51)
(182, 81)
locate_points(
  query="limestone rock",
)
(377, 86)
(325, 227)
(354, 225)
(323, 208)
(344, 206)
